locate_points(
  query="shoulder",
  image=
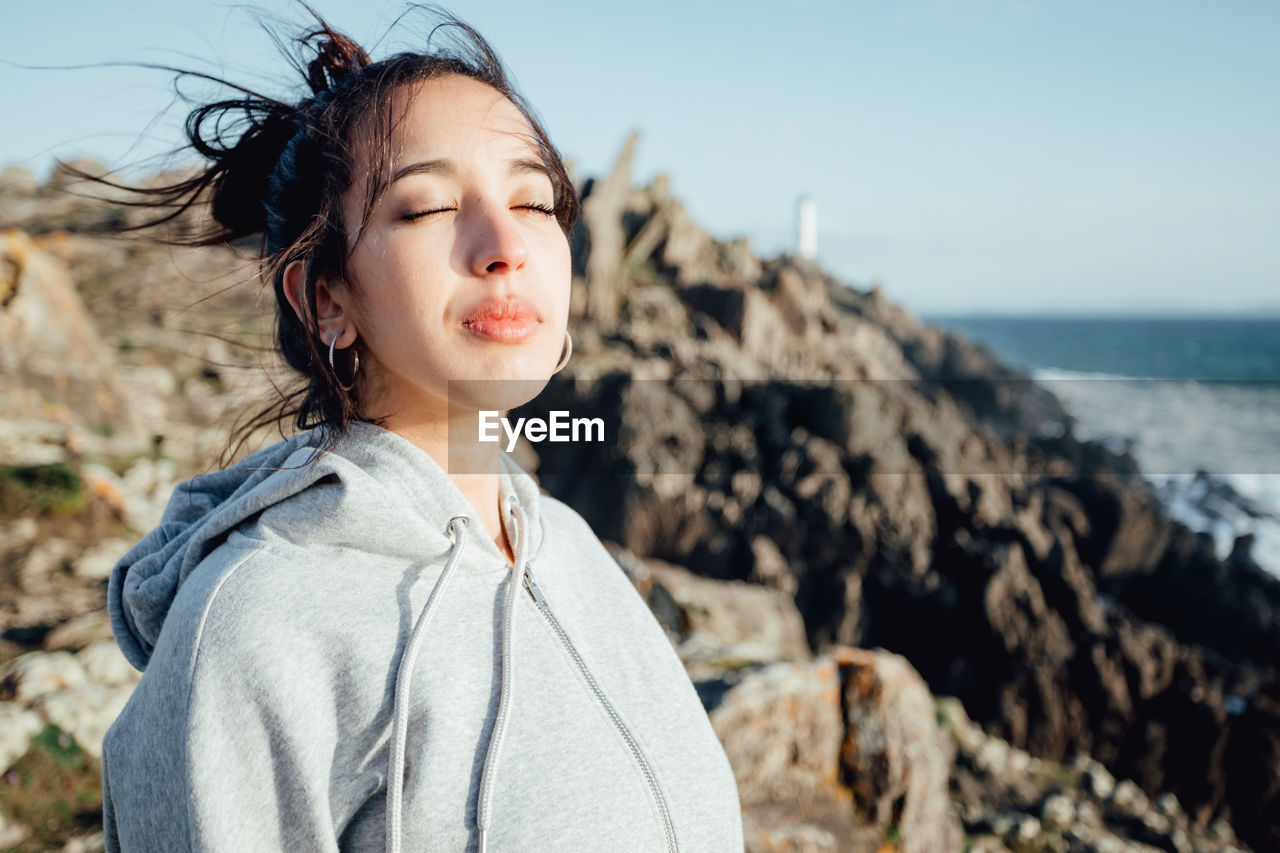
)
(272, 585)
(248, 594)
(194, 632)
(267, 624)
(570, 541)
(560, 518)
(211, 601)
(564, 529)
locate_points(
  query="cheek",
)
(562, 267)
(401, 287)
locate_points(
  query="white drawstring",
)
(400, 725)
(484, 808)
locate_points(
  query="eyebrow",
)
(446, 168)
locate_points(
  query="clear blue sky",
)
(969, 155)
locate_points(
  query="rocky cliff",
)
(838, 512)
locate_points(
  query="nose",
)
(496, 244)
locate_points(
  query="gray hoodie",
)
(337, 657)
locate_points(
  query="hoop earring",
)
(355, 365)
(568, 351)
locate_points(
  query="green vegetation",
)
(1058, 776)
(55, 789)
(644, 271)
(41, 489)
(59, 746)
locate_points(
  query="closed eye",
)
(409, 217)
(540, 208)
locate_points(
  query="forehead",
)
(455, 116)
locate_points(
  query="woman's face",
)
(462, 272)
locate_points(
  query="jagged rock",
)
(856, 730)
(53, 365)
(18, 533)
(781, 727)
(688, 250)
(739, 262)
(1129, 532)
(604, 238)
(1048, 806)
(1058, 810)
(17, 726)
(15, 180)
(893, 755)
(1017, 612)
(43, 561)
(1128, 798)
(40, 673)
(802, 838)
(802, 298)
(93, 843)
(1243, 622)
(85, 712)
(62, 177)
(139, 496)
(1101, 783)
(1253, 753)
(769, 567)
(80, 631)
(104, 664)
(99, 559)
(721, 621)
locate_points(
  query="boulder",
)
(99, 559)
(85, 712)
(53, 366)
(893, 756)
(105, 664)
(843, 751)
(18, 725)
(39, 673)
(16, 181)
(781, 727)
(731, 620)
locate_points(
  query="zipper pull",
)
(534, 592)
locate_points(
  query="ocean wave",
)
(1055, 374)
(1227, 507)
(1188, 436)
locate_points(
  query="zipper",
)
(536, 594)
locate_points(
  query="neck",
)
(451, 439)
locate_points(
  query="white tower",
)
(806, 228)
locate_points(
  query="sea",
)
(1196, 400)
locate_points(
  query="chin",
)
(493, 394)
(500, 388)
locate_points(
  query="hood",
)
(402, 488)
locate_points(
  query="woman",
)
(345, 647)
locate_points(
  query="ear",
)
(331, 315)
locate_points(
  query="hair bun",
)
(337, 57)
(243, 168)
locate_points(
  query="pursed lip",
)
(502, 318)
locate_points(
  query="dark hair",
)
(279, 169)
